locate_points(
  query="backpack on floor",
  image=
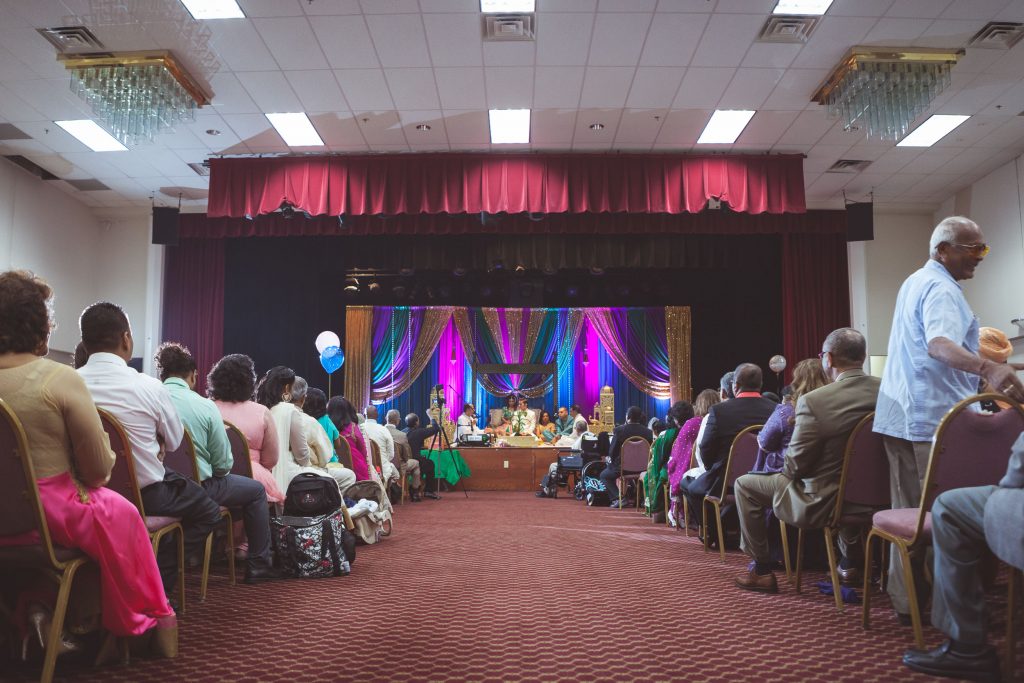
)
(310, 495)
(312, 547)
(591, 486)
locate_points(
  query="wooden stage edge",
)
(506, 469)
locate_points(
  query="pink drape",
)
(489, 183)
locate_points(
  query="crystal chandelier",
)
(882, 90)
(136, 95)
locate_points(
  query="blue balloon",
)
(332, 358)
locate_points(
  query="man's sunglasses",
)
(981, 249)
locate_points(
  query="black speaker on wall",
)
(165, 225)
(860, 222)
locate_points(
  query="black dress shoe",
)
(945, 660)
(849, 577)
(431, 495)
(257, 574)
(416, 498)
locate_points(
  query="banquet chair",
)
(742, 456)
(183, 461)
(344, 453)
(241, 464)
(633, 459)
(406, 450)
(375, 457)
(970, 449)
(123, 480)
(865, 482)
(21, 514)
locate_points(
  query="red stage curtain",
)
(815, 293)
(194, 301)
(475, 183)
(199, 226)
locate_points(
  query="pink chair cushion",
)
(902, 522)
(158, 523)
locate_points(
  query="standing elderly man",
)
(932, 364)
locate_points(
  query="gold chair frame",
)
(913, 545)
(716, 501)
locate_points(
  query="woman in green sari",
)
(657, 469)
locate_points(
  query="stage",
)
(504, 469)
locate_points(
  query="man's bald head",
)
(747, 377)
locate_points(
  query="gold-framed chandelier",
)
(881, 90)
(135, 94)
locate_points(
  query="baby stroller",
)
(590, 486)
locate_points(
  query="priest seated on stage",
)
(467, 422)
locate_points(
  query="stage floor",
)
(506, 469)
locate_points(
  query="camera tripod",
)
(442, 439)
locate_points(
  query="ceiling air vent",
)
(72, 39)
(202, 169)
(848, 166)
(998, 35)
(87, 185)
(500, 27)
(788, 28)
(31, 166)
(11, 132)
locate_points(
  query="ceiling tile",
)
(948, 33)
(270, 91)
(509, 87)
(894, 160)
(255, 132)
(271, 8)
(626, 5)
(795, 89)
(317, 90)
(12, 69)
(413, 88)
(978, 94)
(13, 108)
(918, 9)
(702, 87)
(292, 42)
(345, 42)
(437, 135)
(682, 127)
(606, 87)
(894, 31)
(618, 38)
(672, 39)
(364, 89)
(381, 128)
(557, 86)
(467, 128)
(461, 88)
(552, 126)
(240, 46)
(726, 39)
(745, 6)
(230, 97)
(685, 6)
(454, 39)
(450, 5)
(766, 127)
(778, 55)
(608, 118)
(749, 88)
(567, 6)
(321, 8)
(563, 39)
(400, 39)
(639, 127)
(654, 87)
(808, 128)
(859, 8)
(389, 6)
(509, 53)
(831, 40)
(51, 97)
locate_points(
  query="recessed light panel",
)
(89, 133)
(725, 126)
(213, 9)
(509, 126)
(507, 6)
(296, 129)
(805, 7)
(932, 130)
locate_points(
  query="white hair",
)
(947, 231)
(299, 387)
(393, 417)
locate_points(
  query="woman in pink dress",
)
(682, 448)
(72, 459)
(343, 415)
(230, 384)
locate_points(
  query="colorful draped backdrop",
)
(643, 353)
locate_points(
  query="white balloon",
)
(777, 363)
(325, 339)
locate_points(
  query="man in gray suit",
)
(804, 493)
(964, 523)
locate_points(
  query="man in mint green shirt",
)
(205, 425)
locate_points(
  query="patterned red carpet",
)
(506, 587)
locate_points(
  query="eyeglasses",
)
(980, 249)
(821, 354)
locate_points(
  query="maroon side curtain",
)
(194, 301)
(488, 183)
(815, 293)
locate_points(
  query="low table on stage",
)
(512, 468)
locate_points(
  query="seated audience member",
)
(71, 456)
(231, 385)
(682, 448)
(724, 421)
(725, 393)
(634, 426)
(993, 345)
(774, 438)
(563, 423)
(726, 386)
(144, 408)
(407, 465)
(467, 422)
(81, 356)
(275, 392)
(577, 417)
(804, 493)
(321, 446)
(343, 415)
(549, 482)
(205, 425)
(657, 471)
(772, 396)
(315, 406)
(966, 524)
(545, 430)
(417, 436)
(381, 436)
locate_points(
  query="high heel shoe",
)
(39, 621)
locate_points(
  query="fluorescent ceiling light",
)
(92, 136)
(213, 9)
(296, 130)
(725, 126)
(507, 6)
(802, 7)
(510, 125)
(932, 130)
